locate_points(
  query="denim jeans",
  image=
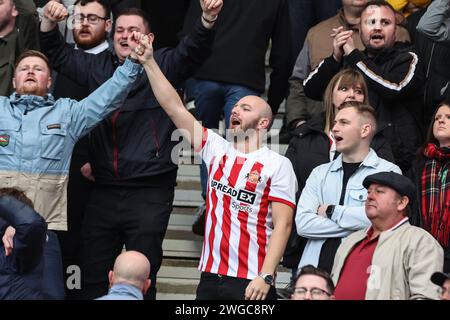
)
(53, 281)
(211, 99)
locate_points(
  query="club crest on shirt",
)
(253, 177)
(4, 140)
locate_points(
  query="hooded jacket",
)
(395, 81)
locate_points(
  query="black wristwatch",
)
(330, 210)
(134, 60)
(268, 278)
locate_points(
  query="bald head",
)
(131, 267)
(258, 104)
(251, 112)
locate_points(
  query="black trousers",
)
(118, 216)
(78, 195)
(217, 287)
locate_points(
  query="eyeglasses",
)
(91, 18)
(316, 293)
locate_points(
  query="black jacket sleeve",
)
(280, 58)
(403, 76)
(31, 232)
(75, 64)
(180, 63)
(318, 79)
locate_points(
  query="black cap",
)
(399, 183)
(439, 278)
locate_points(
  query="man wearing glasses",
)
(312, 283)
(131, 160)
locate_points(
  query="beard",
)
(86, 42)
(31, 89)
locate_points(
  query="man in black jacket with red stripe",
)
(131, 150)
(393, 74)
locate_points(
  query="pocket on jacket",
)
(8, 135)
(358, 196)
(49, 198)
(53, 137)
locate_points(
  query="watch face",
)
(268, 279)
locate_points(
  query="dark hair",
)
(134, 12)
(311, 270)
(105, 4)
(33, 53)
(430, 136)
(18, 194)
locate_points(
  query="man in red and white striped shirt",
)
(250, 196)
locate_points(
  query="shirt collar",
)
(126, 288)
(369, 230)
(371, 160)
(97, 49)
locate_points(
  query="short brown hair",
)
(18, 194)
(33, 53)
(363, 110)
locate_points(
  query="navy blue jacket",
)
(21, 272)
(133, 146)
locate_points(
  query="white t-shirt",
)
(241, 187)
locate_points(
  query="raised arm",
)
(435, 22)
(168, 98)
(53, 13)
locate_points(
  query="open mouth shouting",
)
(124, 44)
(337, 137)
(377, 38)
(235, 121)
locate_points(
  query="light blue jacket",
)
(123, 291)
(323, 187)
(37, 135)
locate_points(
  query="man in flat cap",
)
(391, 260)
(443, 281)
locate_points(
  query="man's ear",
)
(366, 130)
(108, 25)
(147, 284)
(151, 37)
(404, 201)
(111, 278)
(14, 12)
(14, 83)
(264, 123)
(49, 82)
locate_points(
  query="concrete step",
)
(178, 279)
